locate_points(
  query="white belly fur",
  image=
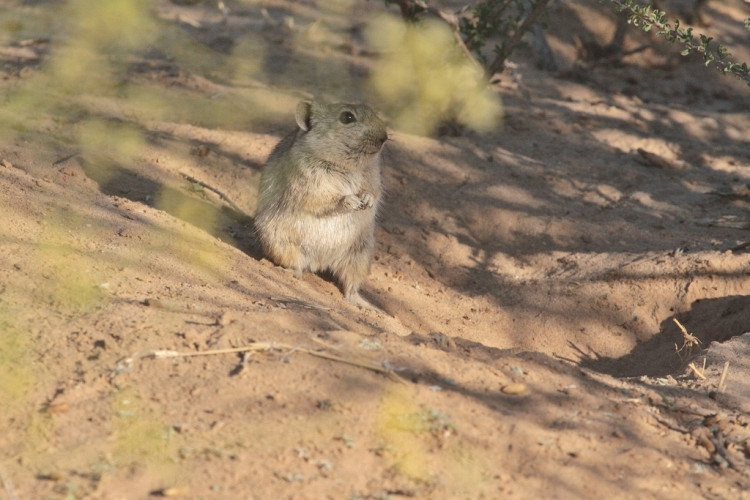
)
(325, 241)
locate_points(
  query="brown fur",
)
(320, 191)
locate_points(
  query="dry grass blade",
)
(688, 339)
(723, 379)
(697, 372)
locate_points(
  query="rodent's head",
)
(341, 131)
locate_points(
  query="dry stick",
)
(723, 378)
(536, 12)
(334, 348)
(696, 371)
(267, 346)
(65, 158)
(166, 353)
(742, 246)
(667, 423)
(689, 340)
(213, 189)
(368, 366)
(298, 302)
(721, 450)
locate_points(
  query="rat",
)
(319, 194)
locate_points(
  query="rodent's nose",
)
(383, 137)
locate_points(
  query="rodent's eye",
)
(347, 117)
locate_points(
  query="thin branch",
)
(409, 9)
(723, 378)
(259, 346)
(696, 371)
(740, 247)
(499, 62)
(493, 17)
(214, 190)
(648, 18)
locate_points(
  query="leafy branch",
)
(646, 17)
(509, 20)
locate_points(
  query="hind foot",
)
(356, 299)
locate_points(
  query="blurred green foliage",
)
(139, 436)
(16, 373)
(424, 81)
(420, 444)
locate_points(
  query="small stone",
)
(514, 389)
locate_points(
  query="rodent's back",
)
(279, 167)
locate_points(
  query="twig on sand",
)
(740, 247)
(688, 339)
(667, 423)
(297, 302)
(224, 197)
(697, 372)
(721, 455)
(262, 346)
(723, 379)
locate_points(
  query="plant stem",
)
(499, 61)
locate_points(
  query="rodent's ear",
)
(303, 114)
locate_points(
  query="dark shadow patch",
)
(190, 204)
(668, 352)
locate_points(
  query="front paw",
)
(353, 202)
(367, 200)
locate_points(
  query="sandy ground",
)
(530, 276)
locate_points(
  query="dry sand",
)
(531, 276)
